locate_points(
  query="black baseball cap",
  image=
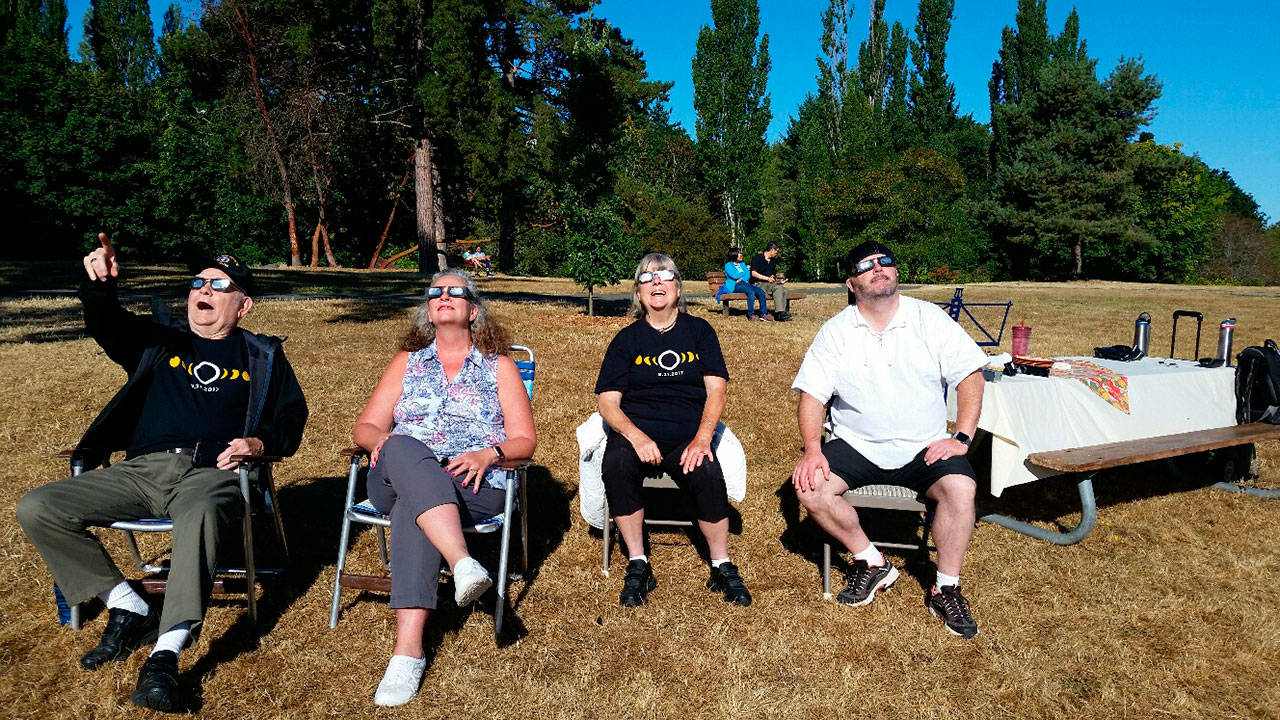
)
(864, 250)
(229, 264)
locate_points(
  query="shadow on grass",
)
(310, 512)
(670, 505)
(803, 537)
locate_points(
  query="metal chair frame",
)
(365, 513)
(250, 571)
(663, 482)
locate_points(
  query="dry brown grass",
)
(1168, 609)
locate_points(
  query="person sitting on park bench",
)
(737, 274)
(197, 395)
(764, 275)
(882, 363)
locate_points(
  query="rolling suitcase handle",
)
(1174, 339)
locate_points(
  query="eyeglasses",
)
(219, 284)
(865, 265)
(457, 291)
(663, 275)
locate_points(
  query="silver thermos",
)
(1225, 331)
(1142, 332)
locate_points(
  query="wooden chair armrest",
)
(514, 463)
(353, 451)
(66, 454)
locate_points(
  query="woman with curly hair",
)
(448, 408)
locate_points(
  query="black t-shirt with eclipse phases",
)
(198, 394)
(660, 375)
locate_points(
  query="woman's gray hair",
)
(662, 262)
(486, 332)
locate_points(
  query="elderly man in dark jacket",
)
(197, 395)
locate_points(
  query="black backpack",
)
(1258, 384)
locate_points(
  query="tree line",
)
(309, 133)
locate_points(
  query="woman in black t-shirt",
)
(661, 391)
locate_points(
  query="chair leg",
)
(76, 620)
(826, 570)
(353, 477)
(382, 547)
(337, 575)
(524, 524)
(607, 538)
(250, 570)
(500, 605)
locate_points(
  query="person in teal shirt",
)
(738, 274)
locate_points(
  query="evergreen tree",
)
(120, 41)
(933, 97)
(730, 72)
(1060, 182)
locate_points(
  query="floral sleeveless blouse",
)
(452, 417)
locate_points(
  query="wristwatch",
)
(502, 456)
(965, 439)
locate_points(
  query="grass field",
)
(1168, 609)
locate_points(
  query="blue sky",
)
(1217, 61)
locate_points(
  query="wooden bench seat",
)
(1085, 461)
(716, 279)
(1128, 452)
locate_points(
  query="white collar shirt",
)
(886, 388)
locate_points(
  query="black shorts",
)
(858, 471)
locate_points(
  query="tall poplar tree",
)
(120, 41)
(730, 72)
(933, 97)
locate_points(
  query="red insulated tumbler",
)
(1021, 339)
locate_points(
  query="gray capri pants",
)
(408, 481)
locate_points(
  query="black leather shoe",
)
(725, 579)
(158, 682)
(637, 584)
(125, 632)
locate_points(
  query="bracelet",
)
(501, 455)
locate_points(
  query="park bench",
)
(716, 279)
(1084, 462)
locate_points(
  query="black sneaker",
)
(125, 632)
(158, 682)
(949, 605)
(725, 579)
(782, 316)
(637, 585)
(865, 581)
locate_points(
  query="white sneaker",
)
(400, 682)
(470, 580)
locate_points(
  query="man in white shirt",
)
(883, 363)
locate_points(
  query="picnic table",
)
(1098, 414)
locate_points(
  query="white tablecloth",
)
(1027, 414)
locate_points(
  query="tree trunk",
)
(591, 300)
(328, 251)
(315, 244)
(430, 255)
(395, 203)
(1077, 254)
(273, 144)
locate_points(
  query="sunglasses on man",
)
(456, 291)
(219, 284)
(865, 265)
(663, 275)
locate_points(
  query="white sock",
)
(639, 557)
(945, 580)
(173, 639)
(718, 563)
(870, 555)
(123, 597)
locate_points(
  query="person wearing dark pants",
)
(661, 390)
(764, 275)
(882, 364)
(197, 395)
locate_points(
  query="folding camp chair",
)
(663, 482)
(364, 512)
(258, 491)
